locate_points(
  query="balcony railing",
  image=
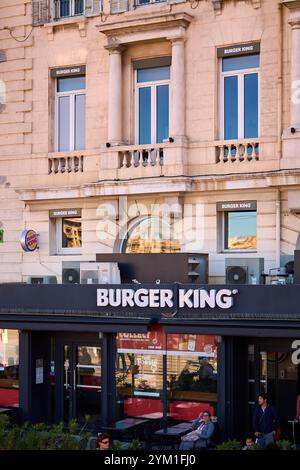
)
(237, 151)
(141, 156)
(72, 164)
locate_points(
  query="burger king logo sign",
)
(29, 240)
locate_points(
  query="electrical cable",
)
(13, 37)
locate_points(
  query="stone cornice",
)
(180, 184)
(139, 28)
(291, 4)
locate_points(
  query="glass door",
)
(82, 383)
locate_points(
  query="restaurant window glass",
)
(185, 363)
(9, 367)
(68, 234)
(191, 375)
(240, 230)
(151, 235)
(139, 373)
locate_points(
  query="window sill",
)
(238, 252)
(74, 21)
(68, 253)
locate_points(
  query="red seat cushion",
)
(188, 410)
(9, 397)
(141, 406)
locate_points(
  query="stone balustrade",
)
(237, 151)
(71, 164)
(141, 156)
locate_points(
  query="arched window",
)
(150, 235)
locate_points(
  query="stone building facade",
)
(112, 174)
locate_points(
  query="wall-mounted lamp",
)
(108, 144)
(171, 139)
(293, 130)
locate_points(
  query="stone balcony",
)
(138, 161)
(243, 150)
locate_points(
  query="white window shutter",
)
(93, 7)
(39, 12)
(118, 6)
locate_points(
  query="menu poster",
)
(156, 340)
(153, 340)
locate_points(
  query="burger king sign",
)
(29, 240)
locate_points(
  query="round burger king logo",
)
(29, 240)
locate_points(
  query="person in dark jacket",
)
(265, 422)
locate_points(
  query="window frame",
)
(224, 215)
(149, 2)
(153, 86)
(57, 7)
(240, 73)
(58, 238)
(72, 133)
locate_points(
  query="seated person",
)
(249, 444)
(185, 379)
(205, 378)
(200, 438)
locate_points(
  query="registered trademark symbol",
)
(235, 291)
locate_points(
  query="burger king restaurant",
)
(160, 353)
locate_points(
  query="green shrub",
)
(117, 445)
(135, 445)
(4, 421)
(284, 444)
(233, 444)
(73, 426)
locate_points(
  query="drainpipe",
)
(279, 82)
(277, 229)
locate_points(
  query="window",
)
(9, 367)
(152, 104)
(66, 8)
(68, 235)
(148, 2)
(240, 97)
(191, 375)
(151, 235)
(186, 381)
(240, 230)
(70, 114)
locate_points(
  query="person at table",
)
(200, 438)
(103, 441)
(265, 422)
(297, 417)
(186, 377)
(196, 423)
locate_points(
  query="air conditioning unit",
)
(42, 280)
(244, 270)
(99, 273)
(70, 272)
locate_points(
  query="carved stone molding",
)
(144, 28)
(217, 4)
